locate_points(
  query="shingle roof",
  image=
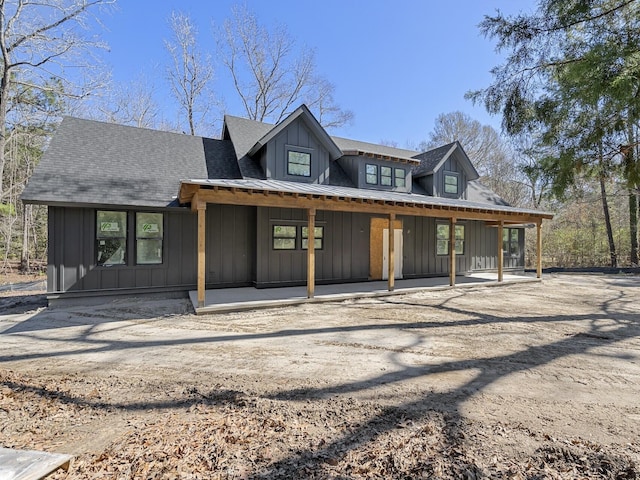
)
(431, 159)
(102, 163)
(303, 113)
(244, 134)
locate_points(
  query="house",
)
(136, 210)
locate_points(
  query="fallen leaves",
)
(211, 432)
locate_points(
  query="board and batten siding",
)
(355, 167)
(450, 165)
(480, 250)
(345, 256)
(230, 251)
(274, 158)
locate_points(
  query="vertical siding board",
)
(188, 267)
(229, 242)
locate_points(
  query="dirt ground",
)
(529, 381)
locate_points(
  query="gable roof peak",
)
(432, 160)
(303, 113)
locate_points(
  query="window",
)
(149, 234)
(451, 183)
(318, 238)
(385, 176)
(442, 239)
(510, 244)
(111, 237)
(298, 163)
(371, 174)
(401, 176)
(284, 237)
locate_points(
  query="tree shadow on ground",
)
(609, 325)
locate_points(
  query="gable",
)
(303, 114)
(434, 160)
(296, 140)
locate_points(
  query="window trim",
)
(124, 238)
(454, 175)
(316, 237)
(300, 150)
(457, 226)
(506, 252)
(138, 239)
(403, 176)
(388, 177)
(366, 173)
(274, 237)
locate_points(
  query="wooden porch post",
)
(452, 251)
(392, 261)
(202, 223)
(500, 251)
(311, 253)
(539, 249)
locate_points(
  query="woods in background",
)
(568, 94)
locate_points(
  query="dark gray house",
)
(138, 210)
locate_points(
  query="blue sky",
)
(396, 64)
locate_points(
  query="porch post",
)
(500, 251)
(539, 249)
(202, 223)
(391, 278)
(452, 251)
(311, 253)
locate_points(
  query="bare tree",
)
(490, 155)
(132, 104)
(191, 73)
(271, 75)
(38, 39)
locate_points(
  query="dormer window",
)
(385, 176)
(451, 183)
(298, 163)
(372, 174)
(401, 176)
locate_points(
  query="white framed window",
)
(442, 239)
(298, 163)
(149, 238)
(111, 237)
(451, 181)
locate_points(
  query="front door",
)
(397, 253)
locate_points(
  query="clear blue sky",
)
(396, 64)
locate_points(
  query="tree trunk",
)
(607, 221)
(26, 223)
(633, 226)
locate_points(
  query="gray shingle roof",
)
(91, 162)
(431, 159)
(244, 134)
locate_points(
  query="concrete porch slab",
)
(249, 298)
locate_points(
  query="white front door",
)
(397, 253)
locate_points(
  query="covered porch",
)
(248, 298)
(312, 198)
